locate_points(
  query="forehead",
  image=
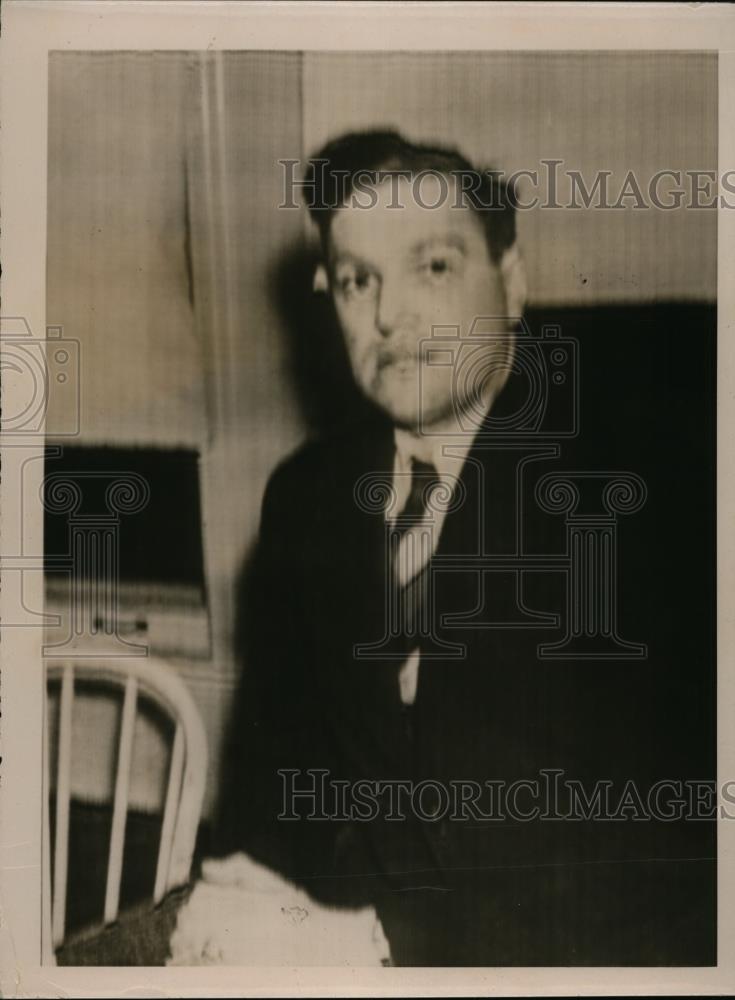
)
(407, 215)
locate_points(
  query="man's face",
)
(396, 273)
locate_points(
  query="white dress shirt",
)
(447, 453)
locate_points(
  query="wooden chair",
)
(145, 678)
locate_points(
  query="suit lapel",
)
(360, 683)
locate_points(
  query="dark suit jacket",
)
(505, 892)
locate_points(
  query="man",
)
(397, 637)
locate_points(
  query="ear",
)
(321, 279)
(513, 273)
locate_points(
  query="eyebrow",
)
(346, 257)
(447, 239)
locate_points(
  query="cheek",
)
(358, 333)
(486, 295)
(479, 294)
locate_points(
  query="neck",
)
(453, 424)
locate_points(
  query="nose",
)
(393, 310)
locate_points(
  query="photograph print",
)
(379, 508)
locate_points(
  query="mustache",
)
(388, 355)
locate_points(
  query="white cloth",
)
(447, 454)
(242, 913)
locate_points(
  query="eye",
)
(439, 268)
(357, 283)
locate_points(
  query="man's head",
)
(415, 239)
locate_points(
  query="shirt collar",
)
(430, 449)
(445, 449)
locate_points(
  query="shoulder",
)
(322, 467)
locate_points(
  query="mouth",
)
(401, 362)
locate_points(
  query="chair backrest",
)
(159, 682)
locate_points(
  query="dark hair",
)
(333, 171)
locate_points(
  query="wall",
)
(595, 110)
(117, 277)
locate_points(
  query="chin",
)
(404, 402)
(400, 414)
(398, 400)
(406, 412)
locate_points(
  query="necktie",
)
(411, 549)
(424, 479)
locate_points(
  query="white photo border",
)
(33, 28)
